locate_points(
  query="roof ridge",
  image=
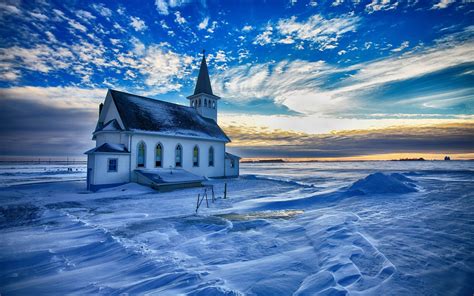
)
(133, 111)
(148, 98)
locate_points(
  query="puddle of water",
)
(284, 214)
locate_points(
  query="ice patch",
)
(379, 183)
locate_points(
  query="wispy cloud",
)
(102, 10)
(164, 6)
(402, 46)
(77, 25)
(442, 4)
(378, 5)
(319, 87)
(320, 32)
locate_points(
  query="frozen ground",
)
(371, 228)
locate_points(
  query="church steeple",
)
(203, 84)
(203, 100)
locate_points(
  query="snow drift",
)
(379, 183)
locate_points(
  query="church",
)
(157, 143)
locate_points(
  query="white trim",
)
(176, 136)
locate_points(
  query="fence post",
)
(225, 190)
(197, 204)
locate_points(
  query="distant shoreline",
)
(343, 160)
(261, 161)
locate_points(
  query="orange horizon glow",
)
(380, 157)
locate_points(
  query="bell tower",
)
(203, 100)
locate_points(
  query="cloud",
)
(9, 9)
(33, 127)
(138, 24)
(203, 25)
(318, 31)
(56, 97)
(40, 58)
(378, 5)
(163, 6)
(161, 67)
(442, 4)
(179, 19)
(39, 16)
(319, 87)
(247, 28)
(102, 10)
(402, 46)
(51, 37)
(436, 138)
(85, 15)
(265, 37)
(212, 27)
(77, 25)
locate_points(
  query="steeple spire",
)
(203, 84)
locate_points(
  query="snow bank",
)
(379, 183)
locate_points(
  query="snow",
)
(382, 183)
(171, 175)
(292, 228)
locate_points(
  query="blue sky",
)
(285, 67)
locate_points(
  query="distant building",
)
(447, 158)
(149, 141)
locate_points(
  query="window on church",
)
(141, 155)
(178, 156)
(211, 156)
(159, 156)
(196, 156)
(112, 164)
(205, 103)
(213, 105)
(232, 163)
(199, 103)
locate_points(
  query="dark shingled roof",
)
(144, 114)
(229, 155)
(106, 147)
(203, 84)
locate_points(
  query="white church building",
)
(158, 143)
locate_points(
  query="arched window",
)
(199, 103)
(214, 104)
(141, 154)
(178, 156)
(159, 155)
(211, 156)
(196, 156)
(205, 103)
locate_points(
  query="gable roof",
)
(203, 84)
(111, 126)
(108, 148)
(144, 114)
